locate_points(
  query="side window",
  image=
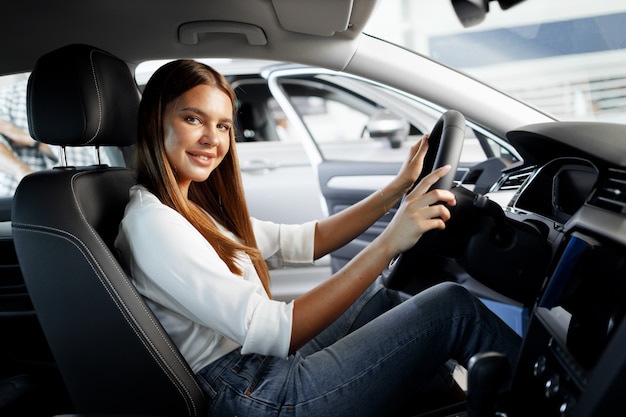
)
(339, 119)
(258, 117)
(351, 119)
(501, 151)
(478, 147)
(330, 120)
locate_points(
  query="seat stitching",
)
(95, 80)
(79, 244)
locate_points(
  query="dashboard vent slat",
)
(611, 194)
(513, 181)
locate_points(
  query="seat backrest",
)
(112, 352)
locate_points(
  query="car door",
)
(278, 177)
(336, 111)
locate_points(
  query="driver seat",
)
(111, 351)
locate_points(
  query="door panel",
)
(344, 183)
(279, 182)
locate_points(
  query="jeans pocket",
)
(210, 391)
(249, 370)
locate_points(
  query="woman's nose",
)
(210, 137)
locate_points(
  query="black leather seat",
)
(113, 354)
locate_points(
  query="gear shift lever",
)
(487, 374)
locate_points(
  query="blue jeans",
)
(382, 351)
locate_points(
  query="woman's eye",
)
(192, 119)
(223, 126)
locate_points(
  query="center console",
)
(573, 358)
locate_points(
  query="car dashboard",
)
(572, 190)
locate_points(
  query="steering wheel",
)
(445, 143)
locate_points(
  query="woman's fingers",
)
(413, 221)
(430, 179)
(418, 150)
(434, 197)
(412, 166)
(421, 211)
(420, 153)
(437, 211)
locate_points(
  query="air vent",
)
(512, 181)
(611, 194)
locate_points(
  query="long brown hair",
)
(221, 195)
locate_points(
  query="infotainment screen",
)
(589, 283)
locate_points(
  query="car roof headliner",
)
(321, 32)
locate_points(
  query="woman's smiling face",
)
(197, 129)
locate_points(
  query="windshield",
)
(566, 57)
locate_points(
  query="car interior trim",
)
(191, 33)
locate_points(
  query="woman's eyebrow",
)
(194, 110)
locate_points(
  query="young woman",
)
(349, 346)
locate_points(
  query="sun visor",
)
(323, 17)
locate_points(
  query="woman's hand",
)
(407, 175)
(420, 211)
(412, 166)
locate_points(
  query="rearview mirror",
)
(472, 12)
(385, 124)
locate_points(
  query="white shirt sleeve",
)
(285, 244)
(176, 268)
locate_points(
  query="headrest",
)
(79, 95)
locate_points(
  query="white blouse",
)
(206, 309)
